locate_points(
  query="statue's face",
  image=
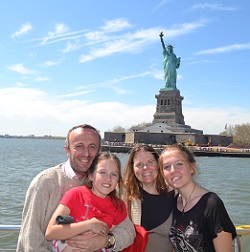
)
(170, 48)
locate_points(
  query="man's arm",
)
(31, 222)
(124, 236)
(88, 241)
(38, 208)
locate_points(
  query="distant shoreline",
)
(215, 151)
(33, 137)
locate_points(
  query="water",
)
(21, 159)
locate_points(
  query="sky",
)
(64, 63)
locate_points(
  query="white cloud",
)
(59, 30)
(185, 28)
(75, 94)
(20, 84)
(115, 25)
(40, 78)
(158, 6)
(212, 6)
(133, 42)
(31, 106)
(206, 117)
(49, 63)
(32, 55)
(71, 47)
(19, 68)
(226, 49)
(112, 83)
(24, 29)
(23, 104)
(55, 38)
(158, 74)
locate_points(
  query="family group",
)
(89, 203)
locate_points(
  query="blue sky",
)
(64, 63)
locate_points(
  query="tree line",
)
(240, 134)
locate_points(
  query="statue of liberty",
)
(170, 63)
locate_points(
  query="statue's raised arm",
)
(162, 42)
(170, 63)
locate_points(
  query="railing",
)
(10, 231)
(240, 244)
(243, 232)
(9, 228)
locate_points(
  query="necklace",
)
(183, 209)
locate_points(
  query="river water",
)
(21, 159)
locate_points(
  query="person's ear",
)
(90, 176)
(67, 151)
(192, 169)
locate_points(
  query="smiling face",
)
(83, 147)
(176, 169)
(105, 177)
(145, 168)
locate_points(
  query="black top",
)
(195, 229)
(156, 209)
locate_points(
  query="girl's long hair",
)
(115, 195)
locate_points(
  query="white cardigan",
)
(158, 240)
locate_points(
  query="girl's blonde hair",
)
(185, 153)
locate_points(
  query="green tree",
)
(240, 134)
(119, 129)
(140, 125)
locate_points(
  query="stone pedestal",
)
(169, 107)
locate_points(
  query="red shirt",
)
(84, 205)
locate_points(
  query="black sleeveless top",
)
(156, 209)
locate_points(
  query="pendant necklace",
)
(183, 209)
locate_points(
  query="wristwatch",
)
(111, 241)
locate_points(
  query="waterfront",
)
(22, 159)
